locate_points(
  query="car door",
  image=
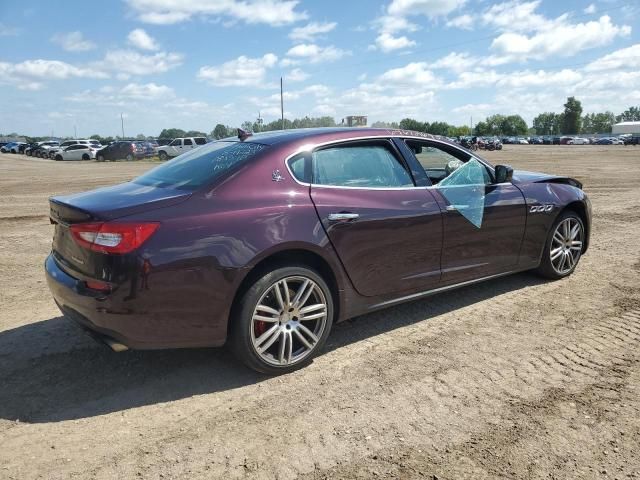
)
(386, 231)
(176, 146)
(71, 152)
(483, 221)
(188, 144)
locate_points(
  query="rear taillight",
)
(98, 286)
(115, 238)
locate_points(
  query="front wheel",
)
(163, 156)
(282, 321)
(129, 158)
(563, 247)
(100, 158)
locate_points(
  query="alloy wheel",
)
(566, 245)
(288, 321)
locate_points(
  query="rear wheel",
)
(129, 158)
(163, 156)
(564, 246)
(58, 157)
(86, 157)
(100, 158)
(282, 321)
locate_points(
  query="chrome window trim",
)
(310, 147)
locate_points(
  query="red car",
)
(265, 241)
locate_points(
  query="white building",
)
(626, 127)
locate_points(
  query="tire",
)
(560, 245)
(129, 158)
(86, 157)
(100, 158)
(163, 155)
(293, 342)
(58, 158)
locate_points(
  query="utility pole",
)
(75, 132)
(281, 104)
(259, 122)
(122, 124)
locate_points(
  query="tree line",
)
(570, 121)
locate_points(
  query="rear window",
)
(200, 166)
(200, 141)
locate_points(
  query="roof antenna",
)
(243, 134)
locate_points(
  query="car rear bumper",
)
(117, 317)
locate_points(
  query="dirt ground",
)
(516, 378)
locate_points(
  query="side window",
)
(297, 166)
(176, 143)
(369, 166)
(201, 141)
(438, 163)
(188, 141)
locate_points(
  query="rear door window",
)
(188, 141)
(176, 143)
(360, 165)
(200, 141)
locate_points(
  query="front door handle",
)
(453, 208)
(340, 217)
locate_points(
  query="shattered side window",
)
(464, 189)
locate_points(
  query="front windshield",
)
(200, 165)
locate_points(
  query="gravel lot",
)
(514, 378)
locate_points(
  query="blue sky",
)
(194, 63)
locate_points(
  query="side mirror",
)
(504, 173)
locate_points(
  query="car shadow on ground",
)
(50, 371)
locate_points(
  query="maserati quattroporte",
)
(265, 241)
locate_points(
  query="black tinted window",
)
(199, 166)
(371, 166)
(188, 142)
(200, 141)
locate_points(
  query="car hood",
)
(524, 176)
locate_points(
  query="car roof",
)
(333, 133)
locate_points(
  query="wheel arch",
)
(580, 209)
(299, 256)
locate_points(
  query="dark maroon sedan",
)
(267, 240)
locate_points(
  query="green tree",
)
(172, 133)
(411, 124)
(437, 128)
(195, 133)
(544, 123)
(481, 129)
(598, 122)
(461, 131)
(220, 131)
(632, 114)
(383, 124)
(513, 125)
(572, 116)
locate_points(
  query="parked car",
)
(9, 147)
(78, 151)
(121, 150)
(38, 148)
(147, 148)
(266, 241)
(522, 141)
(578, 141)
(537, 141)
(67, 143)
(179, 146)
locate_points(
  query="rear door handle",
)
(339, 217)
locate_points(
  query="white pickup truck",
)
(180, 145)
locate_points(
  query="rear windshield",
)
(200, 165)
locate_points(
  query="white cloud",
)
(428, 8)
(561, 40)
(457, 62)
(416, 73)
(311, 30)
(8, 31)
(390, 24)
(243, 71)
(624, 58)
(387, 42)
(296, 75)
(142, 40)
(135, 63)
(32, 74)
(166, 12)
(108, 95)
(73, 42)
(313, 53)
(516, 15)
(590, 9)
(464, 22)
